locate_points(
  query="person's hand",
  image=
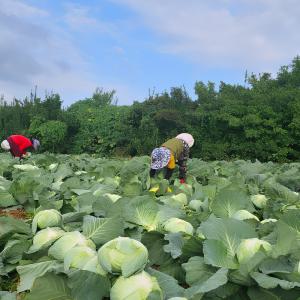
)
(26, 155)
(182, 181)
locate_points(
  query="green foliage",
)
(89, 239)
(34, 129)
(257, 120)
(52, 134)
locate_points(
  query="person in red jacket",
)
(19, 144)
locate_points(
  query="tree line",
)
(257, 120)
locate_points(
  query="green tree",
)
(52, 135)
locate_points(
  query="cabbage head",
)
(195, 205)
(140, 286)
(68, 241)
(93, 265)
(78, 257)
(83, 258)
(180, 198)
(259, 200)
(123, 255)
(178, 225)
(45, 238)
(46, 218)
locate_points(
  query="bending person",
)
(175, 150)
(19, 144)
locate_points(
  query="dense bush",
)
(257, 120)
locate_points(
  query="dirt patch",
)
(156, 267)
(15, 213)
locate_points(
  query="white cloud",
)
(17, 8)
(37, 52)
(79, 17)
(253, 34)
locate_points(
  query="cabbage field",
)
(88, 228)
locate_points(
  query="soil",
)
(15, 213)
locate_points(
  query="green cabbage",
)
(79, 257)
(195, 205)
(123, 255)
(259, 200)
(141, 286)
(178, 225)
(45, 238)
(68, 241)
(46, 218)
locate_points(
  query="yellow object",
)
(171, 164)
(154, 189)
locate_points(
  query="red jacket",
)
(18, 145)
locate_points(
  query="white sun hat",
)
(186, 137)
(5, 145)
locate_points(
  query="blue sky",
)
(137, 46)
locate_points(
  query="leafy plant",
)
(98, 231)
